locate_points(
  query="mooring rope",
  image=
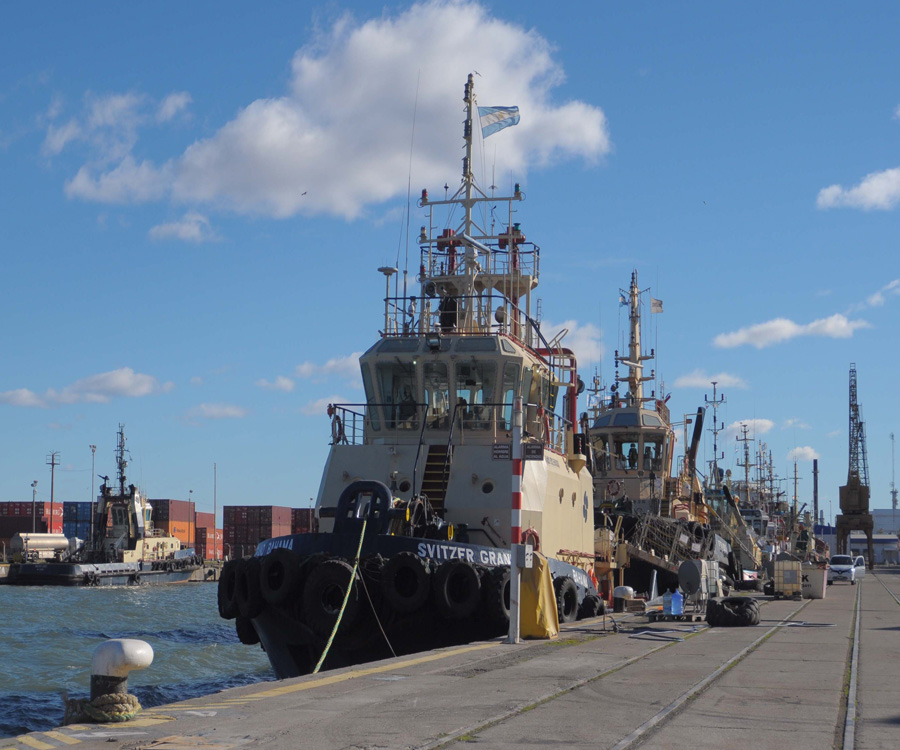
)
(337, 623)
(104, 709)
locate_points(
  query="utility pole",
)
(893, 486)
(52, 462)
(746, 441)
(93, 499)
(33, 507)
(215, 512)
(715, 430)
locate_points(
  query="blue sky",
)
(195, 198)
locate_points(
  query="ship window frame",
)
(651, 420)
(476, 394)
(400, 397)
(371, 399)
(436, 419)
(626, 419)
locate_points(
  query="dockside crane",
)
(854, 496)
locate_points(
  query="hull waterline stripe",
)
(334, 679)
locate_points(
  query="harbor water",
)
(50, 633)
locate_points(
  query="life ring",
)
(405, 582)
(323, 596)
(593, 577)
(613, 487)
(530, 536)
(337, 430)
(457, 589)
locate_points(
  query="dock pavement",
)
(813, 674)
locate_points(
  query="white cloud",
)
(58, 137)
(699, 379)
(347, 367)
(878, 298)
(795, 424)
(196, 380)
(897, 113)
(216, 411)
(320, 405)
(172, 105)
(833, 433)
(586, 340)
(128, 182)
(281, 383)
(802, 453)
(193, 227)
(755, 428)
(878, 190)
(338, 141)
(775, 331)
(101, 388)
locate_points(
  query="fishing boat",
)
(415, 505)
(125, 548)
(660, 516)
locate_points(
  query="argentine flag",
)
(497, 118)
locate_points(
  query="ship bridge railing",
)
(393, 423)
(445, 256)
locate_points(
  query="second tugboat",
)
(415, 500)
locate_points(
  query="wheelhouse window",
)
(652, 457)
(625, 452)
(476, 388)
(601, 453)
(397, 382)
(437, 395)
(510, 380)
(371, 399)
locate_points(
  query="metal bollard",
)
(113, 660)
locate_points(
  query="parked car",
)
(846, 568)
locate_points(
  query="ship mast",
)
(715, 430)
(121, 462)
(635, 361)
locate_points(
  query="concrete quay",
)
(784, 683)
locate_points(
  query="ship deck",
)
(813, 674)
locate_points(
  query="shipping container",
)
(172, 510)
(78, 511)
(204, 520)
(304, 521)
(181, 530)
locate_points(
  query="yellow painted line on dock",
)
(63, 738)
(334, 679)
(36, 744)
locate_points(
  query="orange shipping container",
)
(183, 531)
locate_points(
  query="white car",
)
(846, 568)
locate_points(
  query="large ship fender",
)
(566, 598)
(323, 596)
(225, 596)
(279, 575)
(405, 582)
(457, 589)
(247, 589)
(496, 596)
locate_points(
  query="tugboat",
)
(125, 548)
(662, 518)
(415, 505)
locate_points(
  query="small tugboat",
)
(125, 548)
(663, 518)
(416, 501)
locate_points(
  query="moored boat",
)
(125, 548)
(415, 510)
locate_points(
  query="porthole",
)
(405, 485)
(488, 487)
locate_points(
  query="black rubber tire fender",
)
(247, 590)
(279, 575)
(712, 613)
(405, 582)
(591, 606)
(738, 611)
(246, 633)
(566, 598)
(228, 607)
(496, 589)
(457, 589)
(323, 596)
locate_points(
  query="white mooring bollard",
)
(113, 660)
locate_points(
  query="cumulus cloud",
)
(794, 424)
(878, 298)
(281, 383)
(775, 331)
(101, 388)
(335, 142)
(128, 182)
(878, 190)
(319, 406)
(193, 227)
(585, 339)
(699, 379)
(172, 105)
(216, 411)
(802, 453)
(347, 367)
(755, 428)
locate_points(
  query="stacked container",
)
(209, 543)
(175, 518)
(77, 519)
(16, 518)
(204, 520)
(248, 525)
(304, 521)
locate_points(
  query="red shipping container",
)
(204, 520)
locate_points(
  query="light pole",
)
(193, 518)
(33, 506)
(91, 506)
